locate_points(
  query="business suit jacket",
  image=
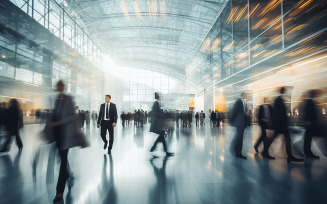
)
(68, 135)
(112, 113)
(261, 116)
(310, 112)
(238, 118)
(157, 117)
(280, 120)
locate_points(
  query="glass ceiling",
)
(160, 35)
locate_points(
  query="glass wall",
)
(249, 32)
(53, 16)
(254, 39)
(139, 86)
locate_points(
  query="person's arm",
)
(115, 115)
(99, 116)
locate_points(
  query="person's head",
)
(108, 98)
(202, 111)
(76, 108)
(244, 95)
(313, 93)
(13, 103)
(282, 90)
(60, 86)
(156, 96)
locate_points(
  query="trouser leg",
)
(238, 141)
(63, 173)
(288, 144)
(104, 132)
(307, 143)
(111, 137)
(19, 140)
(262, 137)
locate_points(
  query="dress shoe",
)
(312, 156)
(294, 159)
(57, 199)
(256, 149)
(267, 156)
(240, 156)
(168, 154)
(105, 145)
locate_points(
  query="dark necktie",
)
(107, 112)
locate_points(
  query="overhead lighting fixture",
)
(3, 56)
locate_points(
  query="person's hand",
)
(98, 125)
(114, 125)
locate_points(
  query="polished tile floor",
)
(202, 170)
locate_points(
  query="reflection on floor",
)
(202, 171)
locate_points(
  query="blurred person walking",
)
(217, 119)
(197, 119)
(280, 122)
(107, 120)
(157, 123)
(238, 120)
(213, 118)
(313, 127)
(202, 117)
(265, 114)
(66, 134)
(3, 109)
(13, 123)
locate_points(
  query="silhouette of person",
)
(280, 123)
(157, 117)
(14, 122)
(107, 120)
(311, 117)
(264, 119)
(238, 120)
(65, 126)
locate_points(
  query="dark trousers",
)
(288, 144)
(9, 140)
(63, 173)
(107, 125)
(307, 142)
(262, 138)
(238, 140)
(161, 139)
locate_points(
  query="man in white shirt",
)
(107, 120)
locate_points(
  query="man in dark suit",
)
(107, 120)
(280, 123)
(157, 117)
(238, 120)
(311, 117)
(264, 119)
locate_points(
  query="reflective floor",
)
(202, 170)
